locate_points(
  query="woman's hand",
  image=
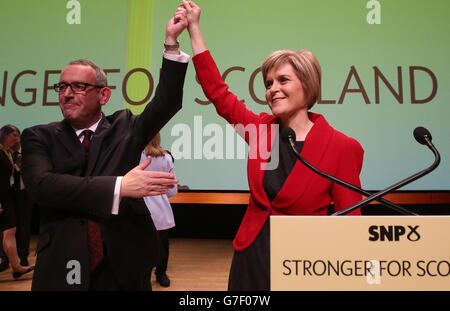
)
(193, 16)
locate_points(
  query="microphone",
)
(423, 136)
(288, 135)
(420, 133)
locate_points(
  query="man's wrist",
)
(171, 46)
(171, 40)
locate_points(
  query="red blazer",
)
(304, 192)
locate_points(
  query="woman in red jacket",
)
(292, 81)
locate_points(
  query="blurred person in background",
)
(159, 206)
(9, 137)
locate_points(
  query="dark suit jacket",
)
(53, 167)
(304, 192)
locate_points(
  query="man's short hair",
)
(100, 75)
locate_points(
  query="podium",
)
(360, 253)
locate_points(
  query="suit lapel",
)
(313, 151)
(67, 137)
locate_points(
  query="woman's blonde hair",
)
(153, 148)
(306, 67)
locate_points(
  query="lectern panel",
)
(360, 253)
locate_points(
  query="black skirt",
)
(8, 215)
(250, 268)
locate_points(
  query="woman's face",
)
(284, 92)
(11, 139)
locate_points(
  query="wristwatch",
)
(171, 47)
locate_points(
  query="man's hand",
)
(175, 26)
(139, 183)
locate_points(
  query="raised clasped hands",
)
(192, 13)
(187, 15)
(139, 183)
(176, 25)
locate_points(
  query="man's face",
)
(81, 109)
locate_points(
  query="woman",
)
(9, 136)
(159, 206)
(292, 81)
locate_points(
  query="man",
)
(77, 183)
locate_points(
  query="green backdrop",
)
(380, 81)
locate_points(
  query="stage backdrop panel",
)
(385, 71)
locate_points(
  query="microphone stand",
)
(376, 196)
(347, 185)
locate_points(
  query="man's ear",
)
(105, 94)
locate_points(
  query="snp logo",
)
(393, 233)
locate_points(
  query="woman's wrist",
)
(193, 27)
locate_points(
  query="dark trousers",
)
(23, 209)
(102, 279)
(161, 268)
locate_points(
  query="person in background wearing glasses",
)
(84, 173)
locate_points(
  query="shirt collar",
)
(93, 127)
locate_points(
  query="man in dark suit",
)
(95, 230)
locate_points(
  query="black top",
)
(274, 180)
